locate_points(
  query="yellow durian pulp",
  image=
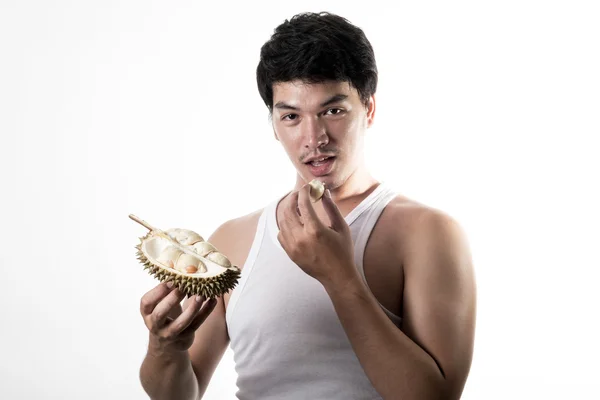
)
(204, 248)
(184, 236)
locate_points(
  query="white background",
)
(487, 110)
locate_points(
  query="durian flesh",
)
(182, 256)
(316, 190)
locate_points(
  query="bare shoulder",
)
(413, 212)
(234, 237)
(234, 228)
(416, 226)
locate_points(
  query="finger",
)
(291, 219)
(282, 239)
(204, 312)
(175, 312)
(165, 307)
(338, 223)
(186, 317)
(309, 216)
(153, 297)
(189, 300)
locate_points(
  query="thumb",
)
(333, 212)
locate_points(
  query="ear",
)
(371, 111)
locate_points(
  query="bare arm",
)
(168, 375)
(180, 363)
(209, 346)
(166, 371)
(431, 356)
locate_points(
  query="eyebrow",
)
(334, 99)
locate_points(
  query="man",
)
(364, 294)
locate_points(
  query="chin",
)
(330, 181)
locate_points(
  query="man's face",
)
(321, 120)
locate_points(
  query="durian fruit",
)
(316, 190)
(183, 257)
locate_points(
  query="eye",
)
(289, 117)
(334, 111)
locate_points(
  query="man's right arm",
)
(181, 367)
(168, 375)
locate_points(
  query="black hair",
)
(314, 48)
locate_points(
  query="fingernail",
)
(327, 193)
(169, 284)
(199, 299)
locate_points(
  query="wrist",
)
(157, 349)
(344, 285)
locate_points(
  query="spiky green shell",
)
(190, 284)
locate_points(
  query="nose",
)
(314, 133)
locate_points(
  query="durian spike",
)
(143, 223)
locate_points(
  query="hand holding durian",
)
(184, 258)
(323, 252)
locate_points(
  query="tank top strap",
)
(364, 229)
(249, 263)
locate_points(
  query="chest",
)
(382, 260)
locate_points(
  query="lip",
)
(322, 169)
(318, 157)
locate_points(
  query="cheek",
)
(345, 133)
(356, 124)
(346, 126)
(290, 141)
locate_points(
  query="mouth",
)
(321, 166)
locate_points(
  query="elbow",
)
(445, 384)
(441, 387)
(446, 389)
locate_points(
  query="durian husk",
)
(190, 285)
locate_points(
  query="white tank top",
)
(287, 340)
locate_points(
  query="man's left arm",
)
(430, 357)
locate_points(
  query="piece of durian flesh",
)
(183, 257)
(316, 190)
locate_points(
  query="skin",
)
(417, 264)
